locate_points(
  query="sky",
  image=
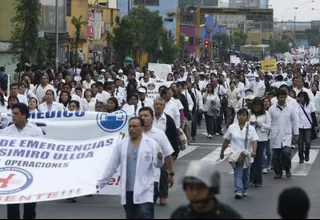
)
(285, 9)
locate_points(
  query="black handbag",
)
(314, 134)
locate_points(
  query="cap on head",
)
(120, 71)
(142, 89)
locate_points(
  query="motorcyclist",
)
(201, 183)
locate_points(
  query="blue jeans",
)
(256, 167)
(138, 211)
(267, 156)
(241, 178)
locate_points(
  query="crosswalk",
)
(213, 155)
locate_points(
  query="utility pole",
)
(57, 38)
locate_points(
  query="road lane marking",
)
(188, 150)
(214, 156)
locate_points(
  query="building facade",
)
(100, 19)
(167, 11)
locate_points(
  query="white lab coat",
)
(284, 123)
(55, 107)
(147, 163)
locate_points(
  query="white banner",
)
(160, 70)
(80, 126)
(153, 88)
(36, 169)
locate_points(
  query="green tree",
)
(280, 45)
(78, 23)
(170, 52)
(123, 38)
(238, 38)
(147, 26)
(224, 45)
(313, 36)
(25, 32)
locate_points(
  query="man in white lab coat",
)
(284, 123)
(139, 157)
(21, 127)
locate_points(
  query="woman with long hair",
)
(307, 122)
(49, 104)
(12, 100)
(112, 105)
(33, 105)
(88, 101)
(64, 99)
(210, 100)
(3, 102)
(261, 121)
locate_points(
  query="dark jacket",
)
(220, 211)
(172, 135)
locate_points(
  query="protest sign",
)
(269, 65)
(153, 88)
(38, 169)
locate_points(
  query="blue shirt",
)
(132, 156)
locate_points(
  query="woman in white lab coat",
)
(261, 121)
(88, 101)
(33, 105)
(242, 138)
(50, 105)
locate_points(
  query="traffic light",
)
(206, 44)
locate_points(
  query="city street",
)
(261, 203)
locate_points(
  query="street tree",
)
(280, 45)
(78, 23)
(313, 36)
(147, 26)
(24, 36)
(222, 42)
(122, 38)
(170, 51)
(238, 38)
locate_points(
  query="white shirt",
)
(87, 85)
(199, 98)
(23, 99)
(278, 84)
(284, 123)
(258, 88)
(147, 163)
(265, 121)
(310, 94)
(161, 123)
(233, 97)
(304, 123)
(207, 99)
(148, 102)
(40, 91)
(241, 89)
(89, 106)
(171, 108)
(161, 138)
(54, 107)
(103, 97)
(189, 99)
(237, 137)
(30, 130)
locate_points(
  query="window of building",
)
(168, 19)
(191, 41)
(111, 17)
(138, 2)
(68, 7)
(188, 18)
(153, 2)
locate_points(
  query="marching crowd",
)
(266, 115)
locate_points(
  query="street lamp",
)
(295, 14)
(282, 19)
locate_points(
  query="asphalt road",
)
(261, 203)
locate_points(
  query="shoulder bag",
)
(313, 130)
(242, 156)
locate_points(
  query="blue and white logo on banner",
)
(112, 122)
(14, 180)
